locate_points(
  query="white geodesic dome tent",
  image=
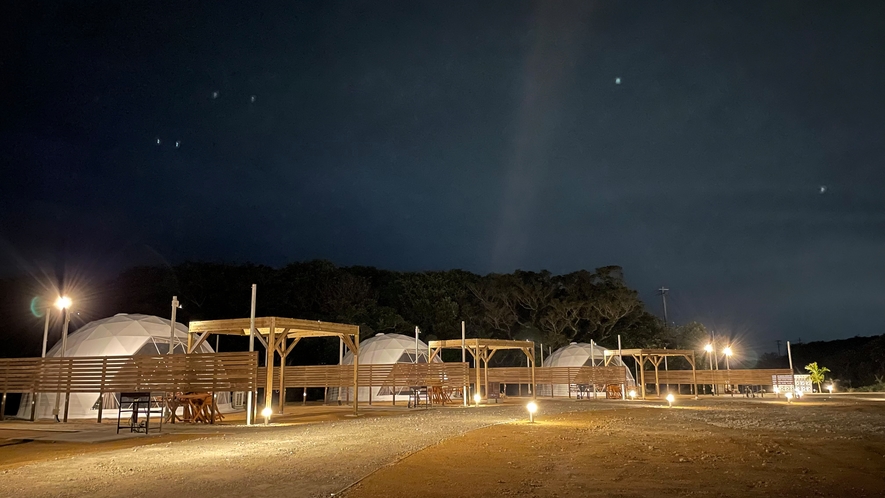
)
(577, 354)
(119, 335)
(385, 349)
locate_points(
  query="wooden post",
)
(104, 370)
(534, 386)
(271, 340)
(370, 380)
(281, 349)
(70, 363)
(642, 372)
(694, 374)
(485, 355)
(33, 405)
(477, 363)
(356, 375)
(3, 407)
(657, 382)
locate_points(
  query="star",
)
(823, 189)
(617, 81)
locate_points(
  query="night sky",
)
(731, 151)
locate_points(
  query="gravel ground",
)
(320, 459)
(302, 461)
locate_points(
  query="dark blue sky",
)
(487, 136)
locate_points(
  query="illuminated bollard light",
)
(789, 397)
(266, 413)
(670, 400)
(632, 395)
(532, 407)
(476, 399)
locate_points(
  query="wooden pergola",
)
(279, 335)
(655, 357)
(482, 351)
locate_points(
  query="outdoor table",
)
(195, 408)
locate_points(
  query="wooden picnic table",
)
(195, 408)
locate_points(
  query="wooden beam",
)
(261, 340)
(291, 346)
(199, 342)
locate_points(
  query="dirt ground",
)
(829, 446)
(655, 452)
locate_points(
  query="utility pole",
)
(663, 292)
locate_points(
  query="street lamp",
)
(727, 351)
(709, 349)
(64, 304)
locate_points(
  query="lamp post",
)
(46, 331)
(728, 354)
(709, 349)
(64, 304)
(175, 306)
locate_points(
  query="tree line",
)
(551, 309)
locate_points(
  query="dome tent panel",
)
(577, 354)
(384, 349)
(119, 335)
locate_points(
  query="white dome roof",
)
(576, 355)
(386, 349)
(122, 335)
(119, 335)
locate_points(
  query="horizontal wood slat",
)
(169, 373)
(748, 377)
(556, 375)
(399, 374)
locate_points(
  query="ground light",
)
(632, 394)
(777, 392)
(532, 407)
(830, 388)
(476, 399)
(266, 413)
(789, 397)
(798, 394)
(670, 400)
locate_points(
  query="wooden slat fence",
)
(399, 374)
(166, 373)
(746, 377)
(556, 375)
